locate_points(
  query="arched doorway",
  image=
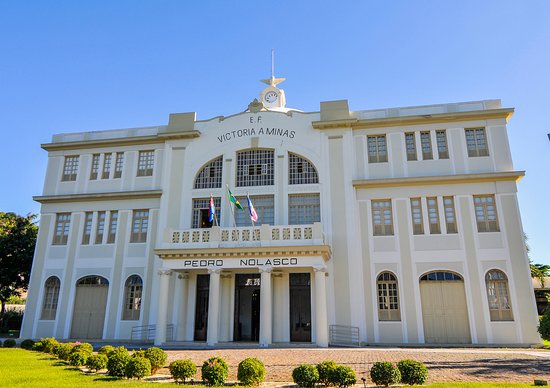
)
(444, 309)
(89, 307)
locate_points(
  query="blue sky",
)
(71, 66)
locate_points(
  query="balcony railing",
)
(264, 235)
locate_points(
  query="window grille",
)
(476, 141)
(88, 219)
(265, 208)
(388, 297)
(95, 166)
(146, 162)
(210, 175)
(140, 224)
(119, 164)
(410, 145)
(200, 213)
(433, 215)
(301, 170)
(377, 149)
(255, 168)
(426, 143)
(113, 221)
(304, 209)
(132, 299)
(93, 280)
(450, 216)
(100, 228)
(382, 218)
(106, 166)
(51, 296)
(416, 212)
(70, 168)
(498, 296)
(440, 276)
(61, 232)
(486, 213)
(442, 148)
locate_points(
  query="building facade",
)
(400, 226)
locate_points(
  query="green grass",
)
(23, 368)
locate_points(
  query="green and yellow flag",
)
(234, 200)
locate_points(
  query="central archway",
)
(89, 307)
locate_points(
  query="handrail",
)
(340, 335)
(147, 332)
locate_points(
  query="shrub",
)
(78, 358)
(117, 361)
(182, 369)
(412, 372)
(251, 371)
(157, 357)
(384, 373)
(139, 353)
(97, 362)
(27, 344)
(325, 369)
(48, 344)
(138, 367)
(83, 347)
(64, 351)
(38, 346)
(342, 376)
(106, 350)
(214, 371)
(305, 375)
(9, 343)
(544, 326)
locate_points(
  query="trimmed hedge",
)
(106, 350)
(157, 357)
(385, 373)
(78, 358)
(48, 344)
(96, 362)
(412, 372)
(83, 347)
(9, 343)
(137, 367)
(214, 371)
(251, 371)
(64, 351)
(182, 369)
(325, 369)
(116, 364)
(342, 376)
(27, 344)
(305, 375)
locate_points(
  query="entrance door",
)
(444, 309)
(89, 307)
(201, 307)
(247, 307)
(300, 307)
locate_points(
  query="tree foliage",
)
(17, 241)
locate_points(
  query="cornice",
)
(504, 113)
(439, 180)
(112, 196)
(161, 137)
(245, 252)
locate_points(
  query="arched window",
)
(255, 168)
(300, 170)
(498, 296)
(388, 297)
(132, 298)
(51, 295)
(93, 280)
(441, 276)
(210, 175)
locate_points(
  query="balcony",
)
(261, 236)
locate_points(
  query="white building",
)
(400, 224)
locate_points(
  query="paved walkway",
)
(495, 365)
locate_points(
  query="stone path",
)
(495, 365)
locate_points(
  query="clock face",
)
(271, 96)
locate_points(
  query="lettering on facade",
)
(274, 262)
(285, 261)
(265, 131)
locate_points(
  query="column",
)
(265, 307)
(182, 316)
(213, 307)
(321, 307)
(162, 307)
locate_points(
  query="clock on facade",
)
(271, 96)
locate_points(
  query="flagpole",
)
(249, 204)
(232, 207)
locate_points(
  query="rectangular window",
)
(410, 144)
(119, 164)
(416, 212)
(377, 149)
(264, 206)
(433, 215)
(304, 209)
(382, 218)
(61, 232)
(106, 166)
(88, 219)
(140, 224)
(442, 148)
(146, 162)
(100, 228)
(486, 213)
(70, 168)
(426, 143)
(201, 212)
(255, 168)
(95, 167)
(450, 216)
(113, 221)
(476, 141)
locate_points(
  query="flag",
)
(234, 200)
(253, 214)
(212, 210)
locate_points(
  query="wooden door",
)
(89, 309)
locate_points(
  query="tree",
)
(17, 242)
(540, 271)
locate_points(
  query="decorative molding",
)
(212, 271)
(165, 272)
(255, 106)
(183, 276)
(265, 268)
(112, 196)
